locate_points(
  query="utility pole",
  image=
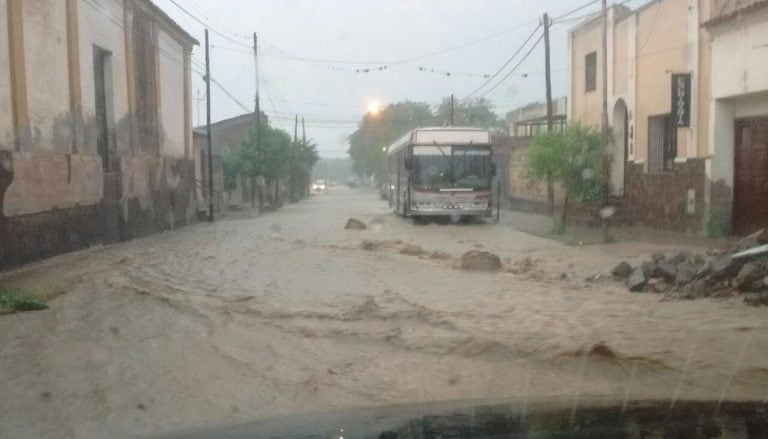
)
(452, 111)
(605, 68)
(548, 79)
(296, 130)
(304, 145)
(208, 125)
(197, 101)
(257, 112)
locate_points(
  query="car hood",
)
(566, 417)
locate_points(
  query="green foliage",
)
(377, 131)
(572, 158)
(20, 300)
(367, 145)
(716, 224)
(302, 157)
(232, 169)
(268, 155)
(473, 113)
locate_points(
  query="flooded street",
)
(287, 313)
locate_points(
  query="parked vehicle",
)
(442, 172)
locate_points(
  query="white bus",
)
(442, 172)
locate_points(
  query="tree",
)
(367, 145)
(301, 159)
(268, 157)
(232, 170)
(473, 113)
(572, 158)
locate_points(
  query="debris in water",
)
(437, 254)
(355, 224)
(690, 276)
(412, 250)
(622, 271)
(480, 261)
(523, 266)
(370, 245)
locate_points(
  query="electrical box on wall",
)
(691, 202)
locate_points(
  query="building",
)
(95, 125)
(227, 137)
(531, 119)
(687, 105)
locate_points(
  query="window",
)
(662, 143)
(590, 66)
(102, 81)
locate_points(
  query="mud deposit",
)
(240, 320)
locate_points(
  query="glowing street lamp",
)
(374, 107)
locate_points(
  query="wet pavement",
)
(289, 313)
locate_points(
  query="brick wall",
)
(660, 199)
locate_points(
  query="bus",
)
(445, 171)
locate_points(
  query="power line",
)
(573, 11)
(505, 64)
(286, 55)
(514, 68)
(191, 15)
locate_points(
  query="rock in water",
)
(756, 299)
(680, 257)
(748, 273)
(649, 268)
(685, 273)
(666, 270)
(637, 280)
(355, 224)
(480, 261)
(622, 271)
(725, 267)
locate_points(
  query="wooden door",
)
(750, 200)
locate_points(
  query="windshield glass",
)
(217, 211)
(472, 167)
(439, 167)
(432, 167)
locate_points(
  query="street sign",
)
(681, 99)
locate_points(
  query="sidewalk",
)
(576, 234)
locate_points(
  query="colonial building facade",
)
(687, 106)
(95, 125)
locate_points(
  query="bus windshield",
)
(440, 167)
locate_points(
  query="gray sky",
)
(331, 95)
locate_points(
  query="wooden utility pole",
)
(548, 80)
(452, 121)
(208, 126)
(605, 68)
(257, 112)
(305, 190)
(296, 130)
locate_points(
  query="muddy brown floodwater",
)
(290, 313)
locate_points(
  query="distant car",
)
(319, 185)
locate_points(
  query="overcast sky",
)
(369, 34)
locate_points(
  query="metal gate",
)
(750, 208)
